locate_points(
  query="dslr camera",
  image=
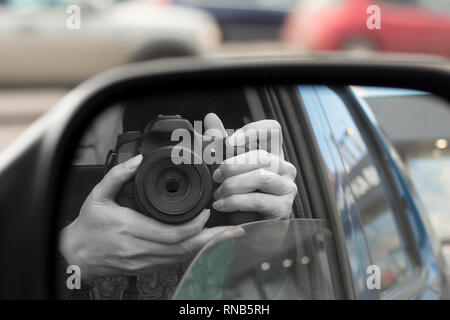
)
(174, 182)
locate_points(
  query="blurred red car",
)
(420, 26)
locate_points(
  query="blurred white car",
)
(37, 47)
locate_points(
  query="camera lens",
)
(172, 185)
(172, 193)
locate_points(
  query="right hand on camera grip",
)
(107, 239)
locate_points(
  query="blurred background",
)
(44, 53)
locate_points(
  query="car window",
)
(152, 127)
(270, 260)
(354, 248)
(372, 197)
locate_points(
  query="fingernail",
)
(264, 161)
(132, 163)
(217, 176)
(237, 138)
(232, 233)
(206, 212)
(218, 205)
(236, 232)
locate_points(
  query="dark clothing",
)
(157, 285)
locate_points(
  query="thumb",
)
(209, 237)
(214, 126)
(116, 177)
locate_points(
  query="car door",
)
(38, 46)
(415, 26)
(437, 15)
(379, 225)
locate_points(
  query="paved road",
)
(20, 107)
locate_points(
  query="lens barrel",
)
(169, 192)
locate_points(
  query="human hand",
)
(258, 180)
(107, 239)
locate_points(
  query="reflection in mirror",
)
(158, 176)
(416, 124)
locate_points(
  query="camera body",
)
(174, 182)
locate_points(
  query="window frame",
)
(313, 173)
(373, 139)
(355, 272)
(417, 281)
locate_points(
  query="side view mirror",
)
(363, 143)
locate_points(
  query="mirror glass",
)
(205, 194)
(289, 262)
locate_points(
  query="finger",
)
(143, 227)
(138, 249)
(263, 125)
(260, 133)
(253, 160)
(256, 180)
(111, 183)
(216, 233)
(227, 234)
(214, 126)
(269, 205)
